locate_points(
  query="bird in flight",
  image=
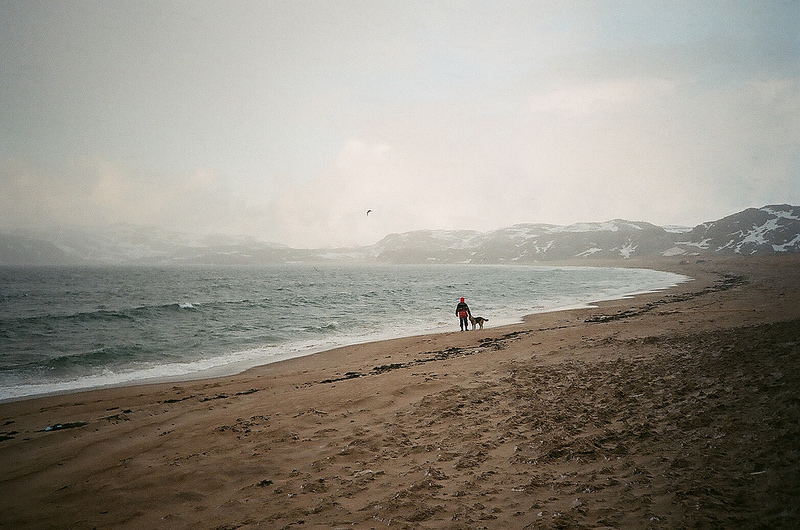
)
(368, 211)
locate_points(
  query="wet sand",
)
(672, 409)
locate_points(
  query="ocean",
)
(71, 328)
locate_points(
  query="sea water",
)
(65, 329)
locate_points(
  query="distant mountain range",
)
(770, 229)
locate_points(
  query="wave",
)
(102, 314)
(187, 323)
(325, 328)
(31, 383)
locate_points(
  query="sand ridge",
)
(670, 409)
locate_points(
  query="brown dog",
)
(477, 320)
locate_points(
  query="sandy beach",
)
(673, 409)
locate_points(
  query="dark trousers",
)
(464, 323)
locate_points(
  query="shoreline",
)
(123, 379)
(674, 408)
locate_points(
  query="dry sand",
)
(669, 410)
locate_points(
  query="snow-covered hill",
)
(526, 243)
(131, 245)
(770, 229)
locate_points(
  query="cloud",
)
(330, 208)
(600, 95)
(94, 191)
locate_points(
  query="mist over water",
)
(65, 329)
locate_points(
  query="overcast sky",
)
(288, 120)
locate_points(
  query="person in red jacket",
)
(463, 313)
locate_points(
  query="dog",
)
(477, 320)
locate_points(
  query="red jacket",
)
(462, 307)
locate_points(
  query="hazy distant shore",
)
(675, 408)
